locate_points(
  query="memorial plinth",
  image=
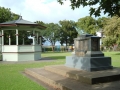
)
(88, 55)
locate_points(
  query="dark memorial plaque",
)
(94, 43)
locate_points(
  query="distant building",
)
(100, 34)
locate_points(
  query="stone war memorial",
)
(88, 55)
(86, 69)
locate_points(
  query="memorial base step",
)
(61, 77)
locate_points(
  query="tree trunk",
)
(66, 45)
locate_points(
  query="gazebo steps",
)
(61, 77)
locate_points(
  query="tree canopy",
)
(101, 22)
(112, 7)
(112, 32)
(68, 32)
(112, 26)
(5, 14)
(51, 33)
(87, 24)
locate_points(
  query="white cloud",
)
(45, 10)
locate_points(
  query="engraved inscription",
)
(81, 45)
(76, 45)
(79, 48)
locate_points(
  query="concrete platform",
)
(57, 81)
(61, 77)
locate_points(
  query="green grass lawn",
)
(11, 77)
(115, 56)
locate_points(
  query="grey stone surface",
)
(85, 76)
(94, 54)
(60, 82)
(89, 63)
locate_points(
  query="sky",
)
(45, 10)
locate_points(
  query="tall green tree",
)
(42, 31)
(101, 22)
(87, 24)
(5, 14)
(112, 7)
(112, 32)
(51, 33)
(112, 26)
(109, 41)
(68, 32)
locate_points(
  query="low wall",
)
(21, 52)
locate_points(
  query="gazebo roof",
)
(20, 22)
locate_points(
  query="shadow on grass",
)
(117, 54)
(49, 52)
(57, 57)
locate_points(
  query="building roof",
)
(21, 21)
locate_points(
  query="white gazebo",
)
(21, 52)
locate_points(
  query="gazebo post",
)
(33, 37)
(37, 37)
(9, 40)
(0, 42)
(23, 40)
(2, 37)
(40, 40)
(16, 36)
